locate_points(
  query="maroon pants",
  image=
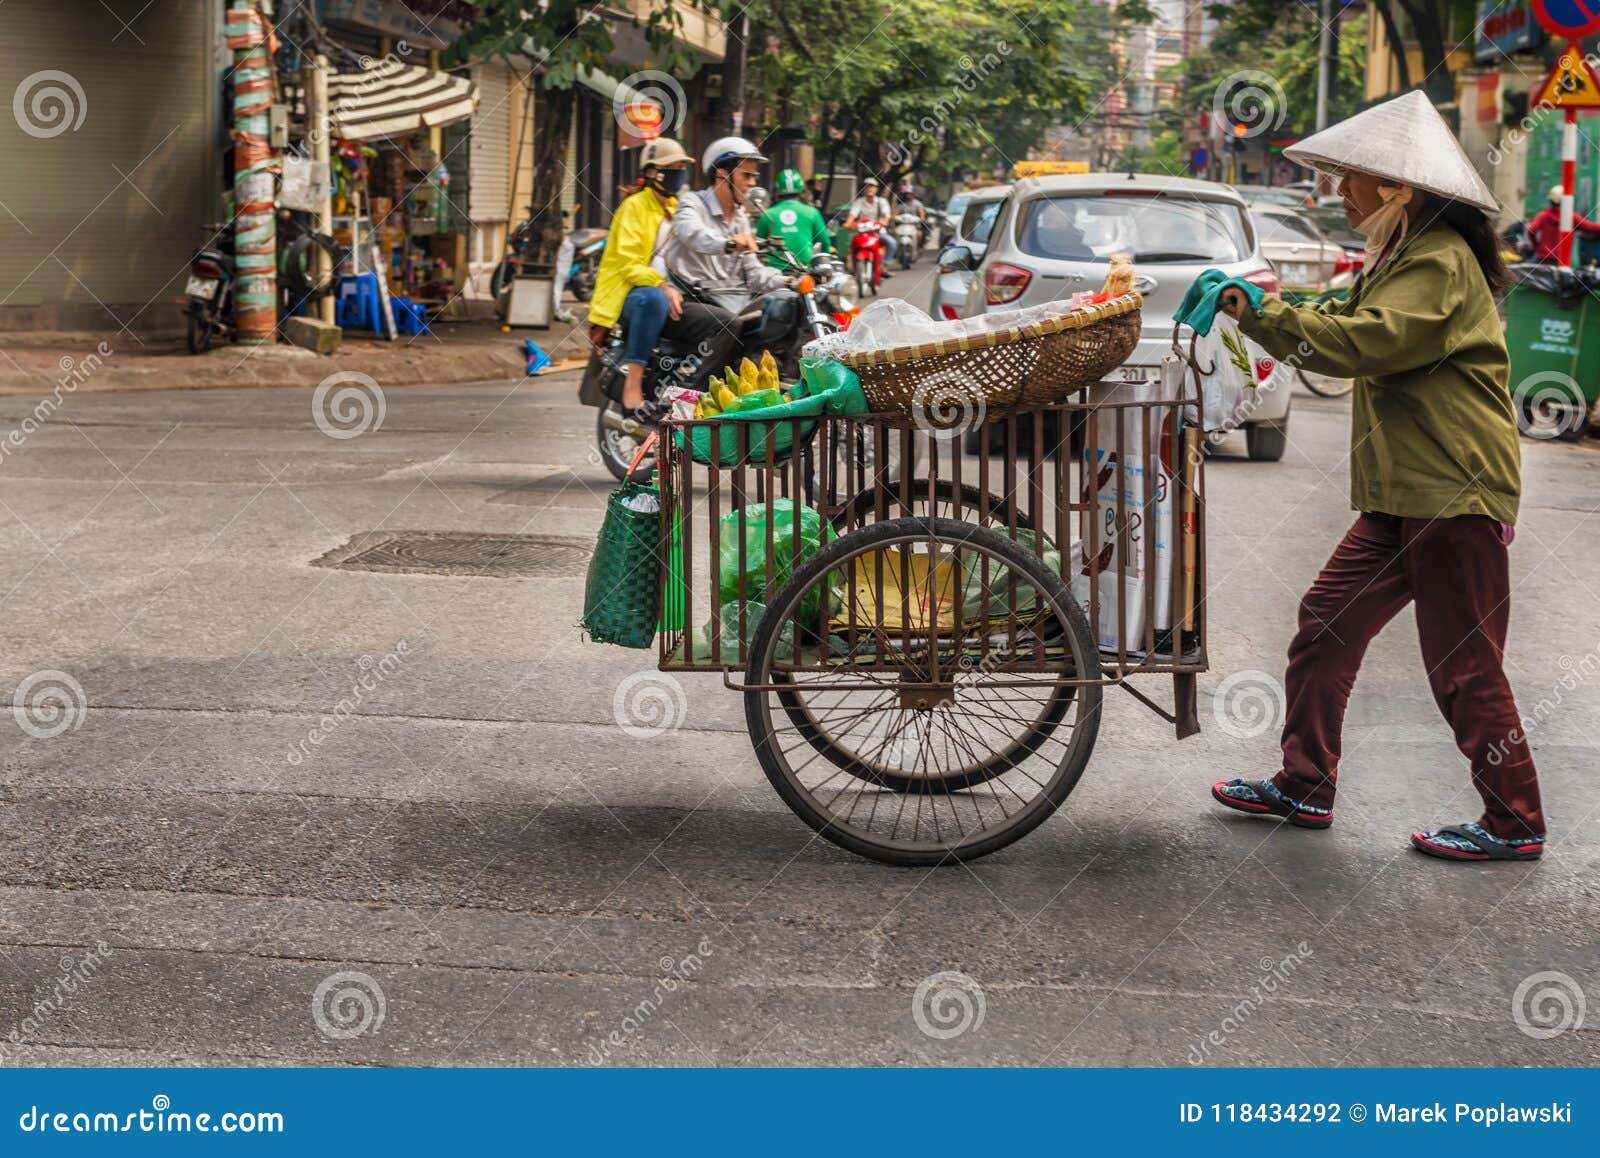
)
(1455, 569)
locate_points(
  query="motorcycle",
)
(209, 290)
(782, 321)
(587, 244)
(908, 234)
(866, 257)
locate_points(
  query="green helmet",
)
(789, 183)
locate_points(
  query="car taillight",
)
(1350, 261)
(204, 268)
(1266, 279)
(950, 314)
(1004, 283)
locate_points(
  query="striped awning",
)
(384, 98)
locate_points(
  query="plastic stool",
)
(358, 306)
(409, 317)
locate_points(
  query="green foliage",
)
(944, 86)
(1280, 40)
(566, 35)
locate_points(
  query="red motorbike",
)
(866, 256)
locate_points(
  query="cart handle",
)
(645, 448)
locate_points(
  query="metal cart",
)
(923, 663)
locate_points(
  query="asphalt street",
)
(474, 864)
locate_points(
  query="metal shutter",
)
(498, 109)
(102, 218)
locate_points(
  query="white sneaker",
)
(566, 316)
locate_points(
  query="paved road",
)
(479, 854)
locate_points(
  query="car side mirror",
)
(954, 257)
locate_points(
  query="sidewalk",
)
(469, 351)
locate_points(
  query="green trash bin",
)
(1553, 336)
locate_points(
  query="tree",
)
(1269, 69)
(1435, 26)
(946, 87)
(561, 37)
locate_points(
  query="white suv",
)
(1056, 235)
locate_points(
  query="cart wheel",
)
(917, 763)
(862, 509)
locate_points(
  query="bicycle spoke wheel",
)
(941, 732)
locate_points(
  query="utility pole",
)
(255, 243)
(733, 71)
(320, 126)
(1324, 63)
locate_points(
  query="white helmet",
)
(728, 151)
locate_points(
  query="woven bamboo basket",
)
(1081, 347)
(986, 370)
(1031, 364)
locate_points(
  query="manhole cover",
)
(460, 553)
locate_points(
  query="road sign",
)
(1199, 159)
(1572, 84)
(1572, 19)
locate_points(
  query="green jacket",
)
(801, 228)
(1433, 432)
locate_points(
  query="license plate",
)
(1295, 273)
(201, 287)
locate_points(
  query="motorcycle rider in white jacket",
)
(713, 243)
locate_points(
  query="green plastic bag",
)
(762, 426)
(825, 387)
(836, 383)
(622, 596)
(789, 550)
(733, 649)
(975, 595)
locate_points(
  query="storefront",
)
(117, 157)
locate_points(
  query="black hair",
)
(1478, 231)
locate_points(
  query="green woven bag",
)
(622, 597)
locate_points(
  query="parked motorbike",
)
(866, 256)
(782, 322)
(908, 234)
(587, 244)
(209, 290)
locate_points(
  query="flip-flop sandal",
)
(1262, 798)
(1471, 842)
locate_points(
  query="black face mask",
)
(667, 182)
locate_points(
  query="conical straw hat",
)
(1404, 140)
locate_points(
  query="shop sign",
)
(644, 119)
(1504, 27)
(394, 19)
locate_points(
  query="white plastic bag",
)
(305, 182)
(1238, 368)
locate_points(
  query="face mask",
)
(667, 182)
(1385, 227)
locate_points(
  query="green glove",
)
(1191, 299)
(1204, 314)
